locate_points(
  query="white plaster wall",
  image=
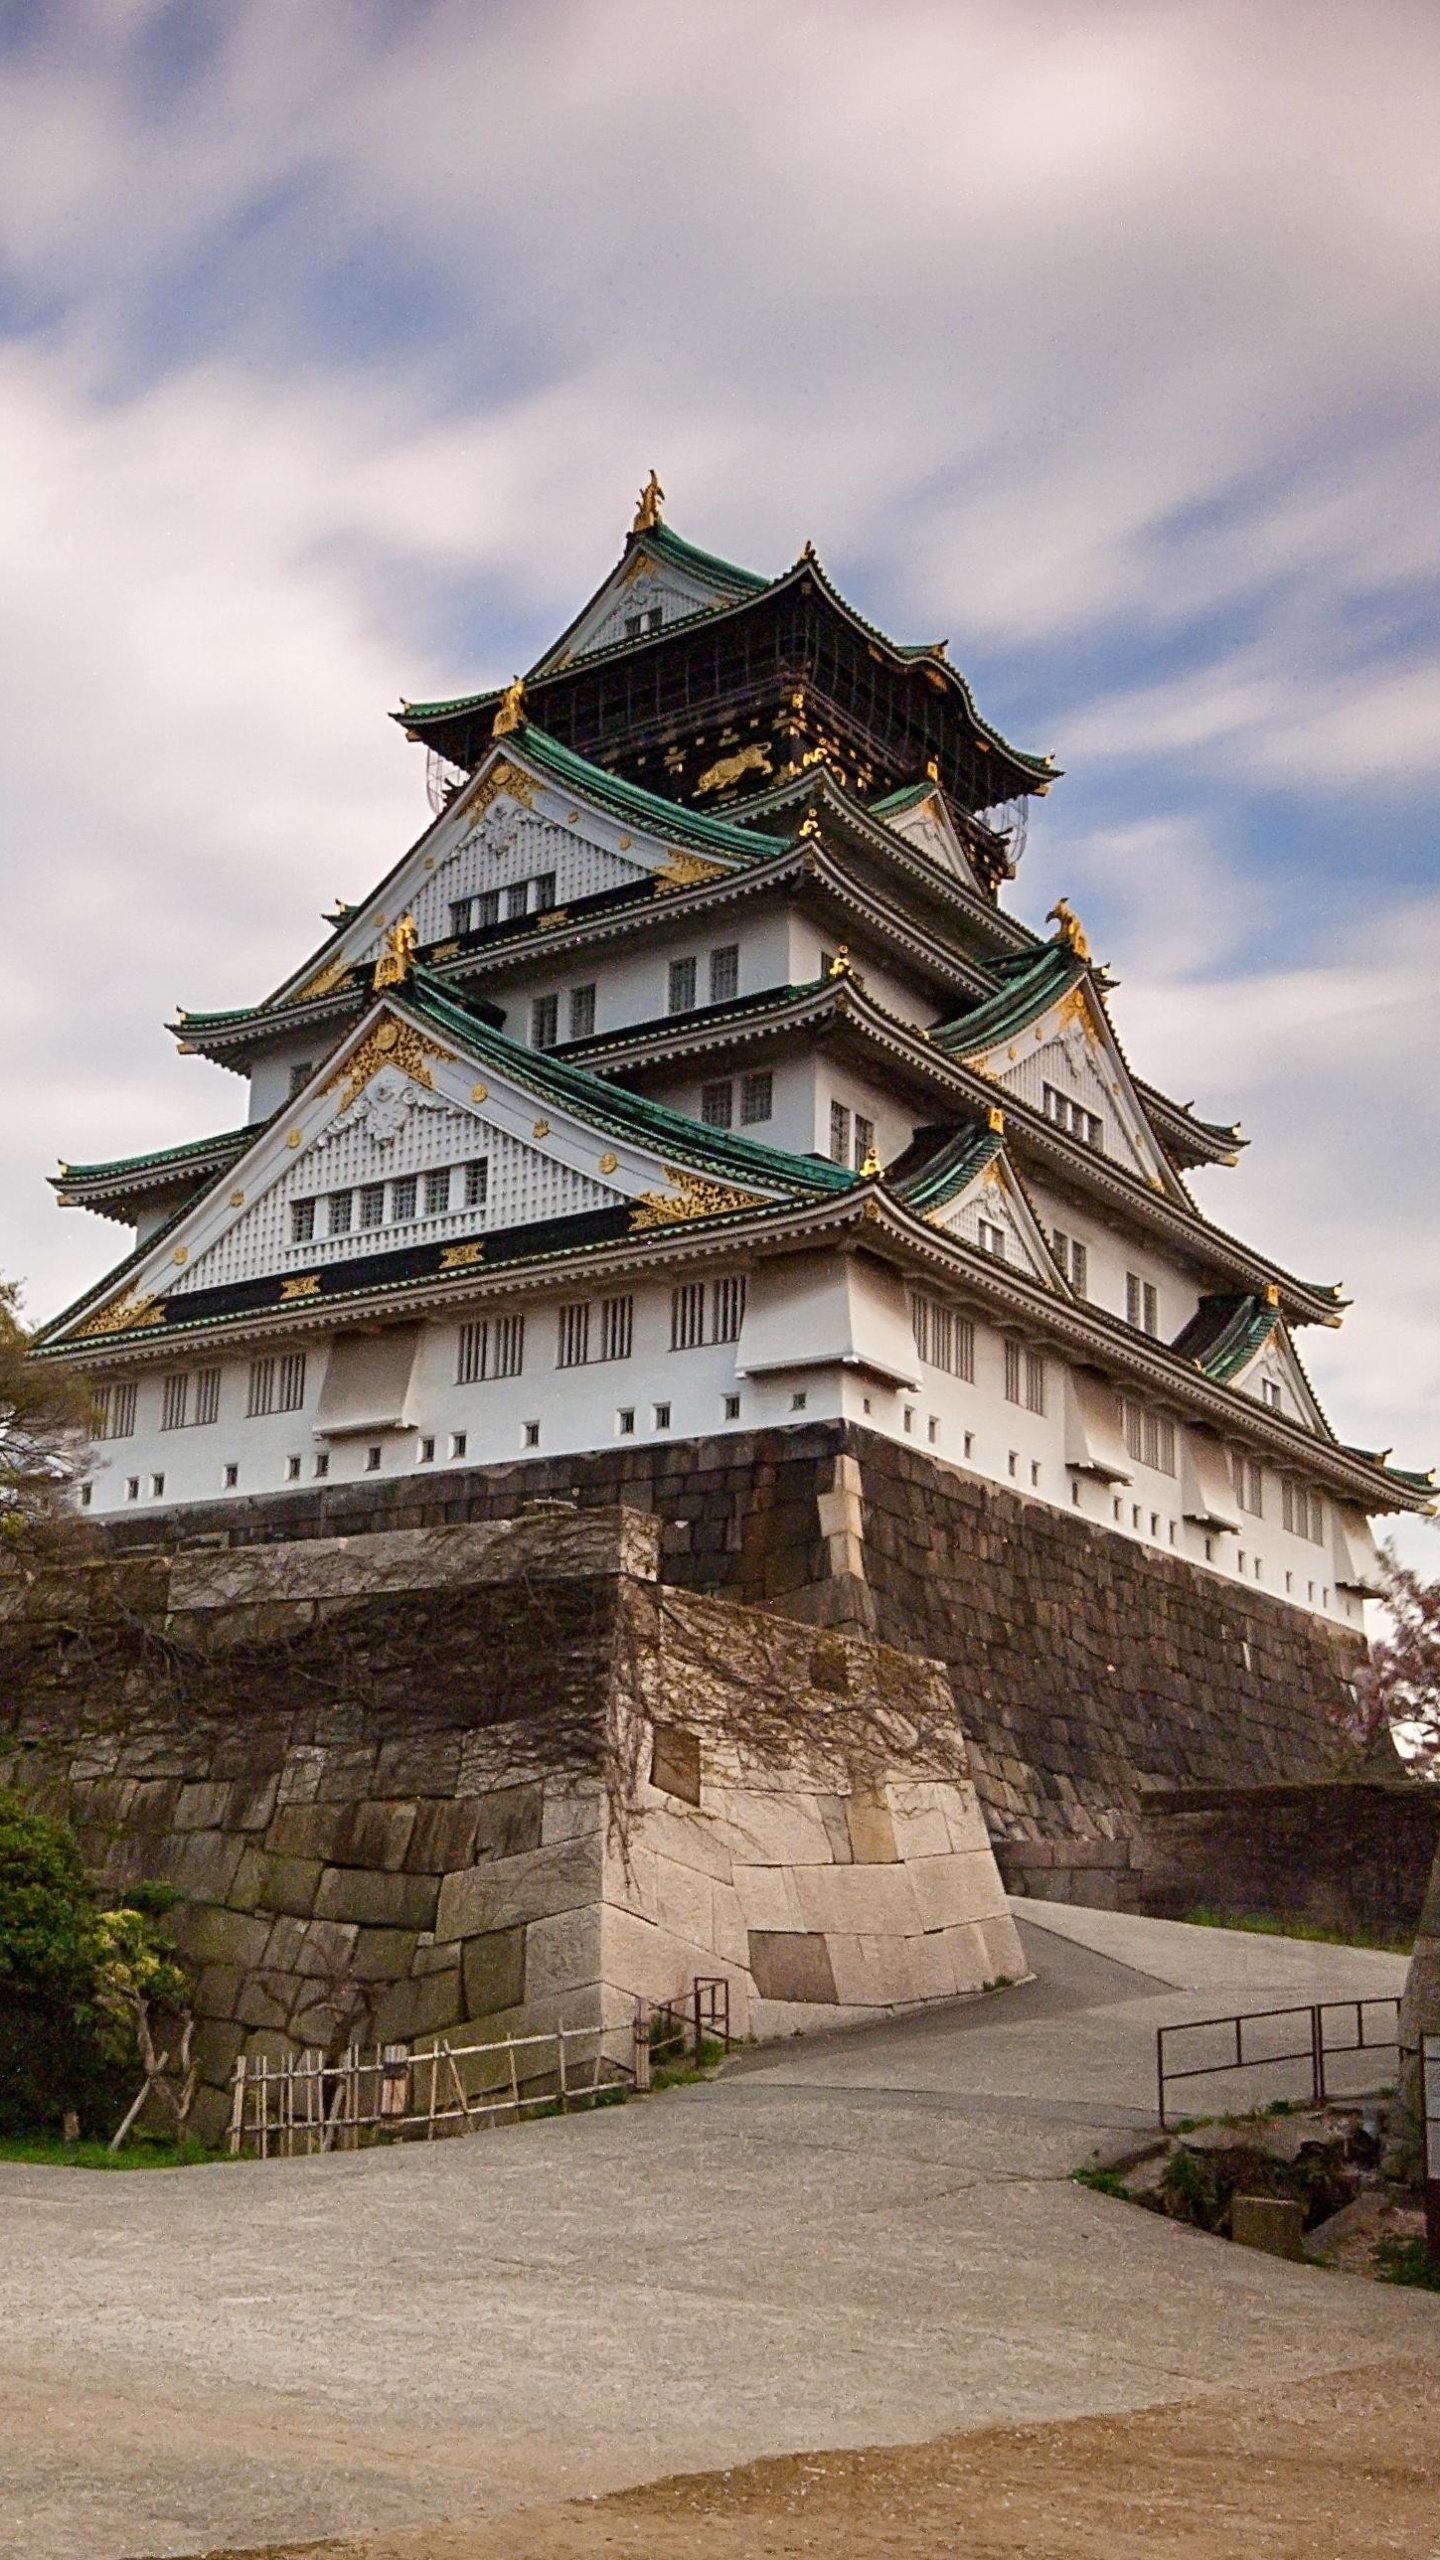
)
(1112, 1253)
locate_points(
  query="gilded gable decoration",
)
(125, 1314)
(503, 777)
(390, 1044)
(686, 871)
(693, 1197)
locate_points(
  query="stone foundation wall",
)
(476, 1780)
(1089, 1669)
(1352, 1856)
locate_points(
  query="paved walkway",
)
(868, 2239)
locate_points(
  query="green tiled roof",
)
(226, 1144)
(1224, 1334)
(612, 1108)
(659, 816)
(951, 1169)
(1030, 985)
(706, 564)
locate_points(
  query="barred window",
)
(582, 1012)
(339, 1218)
(1034, 1382)
(729, 1308)
(1304, 1511)
(617, 1328)
(1142, 1303)
(175, 1403)
(437, 1192)
(1073, 1261)
(207, 1396)
(291, 1383)
(839, 1133)
(493, 1349)
(517, 900)
(372, 1204)
(1249, 1482)
(943, 1339)
(114, 1411)
(477, 1183)
(757, 1097)
(1013, 1373)
(460, 914)
(991, 1239)
(261, 1398)
(302, 1221)
(544, 1022)
(544, 887)
(1149, 1437)
(485, 910)
(1070, 1115)
(725, 973)
(574, 1337)
(687, 1315)
(681, 986)
(1270, 1394)
(717, 1105)
(864, 1141)
(404, 1197)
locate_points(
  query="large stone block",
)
(768, 1898)
(509, 1821)
(792, 1966)
(562, 1953)
(210, 1936)
(264, 1883)
(952, 1889)
(774, 1830)
(505, 1892)
(379, 1901)
(443, 1837)
(305, 1830)
(374, 1835)
(493, 1972)
(684, 1902)
(201, 1864)
(427, 2007)
(871, 1901)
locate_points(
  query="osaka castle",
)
(689, 1076)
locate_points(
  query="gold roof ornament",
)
(840, 965)
(647, 506)
(511, 711)
(871, 1166)
(1071, 929)
(393, 966)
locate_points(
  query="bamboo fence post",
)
(464, 2102)
(237, 2106)
(560, 2074)
(514, 2082)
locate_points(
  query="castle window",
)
(437, 1192)
(1073, 1261)
(207, 1395)
(232, 1476)
(1014, 1373)
(757, 1097)
(157, 1488)
(485, 910)
(322, 1463)
(582, 1012)
(339, 1205)
(725, 973)
(132, 1488)
(732, 1408)
(1034, 1382)
(175, 1403)
(1072, 1116)
(991, 1239)
(516, 900)
(544, 1022)
(372, 1459)
(262, 1388)
(1270, 1393)
(617, 1328)
(404, 1197)
(687, 1315)
(1304, 1511)
(1142, 1304)
(625, 1421)
(682, 986)
(290, 1383)
(1149, 1437)
(372, 1204)
(292, 1470)
(492, 1349)
(728, 1308)
(839, 1134)
(302, 1221)
(864, 1139)
(717, 1105)
(459, 1443)
(662, 1417)
(543, 886)
(477, 1183)
(114, 1411)
(1249, 1483)
(460, 914)
(300, 1075)
(427, 1452)
(573, 1348)
(942, 1338)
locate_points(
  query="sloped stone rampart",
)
(1090, 1669)
(425, 1782)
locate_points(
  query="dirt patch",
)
(1343, 2467)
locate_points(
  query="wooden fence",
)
(285, 2107)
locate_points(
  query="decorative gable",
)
(927, 824)
(1275, 1379)
(993, 1215)
(654, 584)
(1066, 1065)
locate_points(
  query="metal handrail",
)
(1317, 2049)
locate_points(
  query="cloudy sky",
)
(336, 336)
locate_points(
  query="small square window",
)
(725, 974)
(232, 1477)
(132, 1488)
(969, 1444)
(403, 1197)
(933, 1429)
(662, 1417)
(437, 1192)
(1014, 1462)
(157, 1488)
(339, 1218)
(681, 989)
(544, 1022)
(625, 1421)
(839, 1133)
(427, 1452)
(292, 1470)
(1034, 1473)
(302, 1221)
(717, 1105)
(86, 1492)
(372, 1204)
(459, 1443)
(532, 1435)
(582, 1012)
(909, 1417)
(322, 1462)
(757, 1097)
(372, 1460)
(799, 1400)
(732, 1408)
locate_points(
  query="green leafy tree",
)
(56, 2050)
(44, 1440)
